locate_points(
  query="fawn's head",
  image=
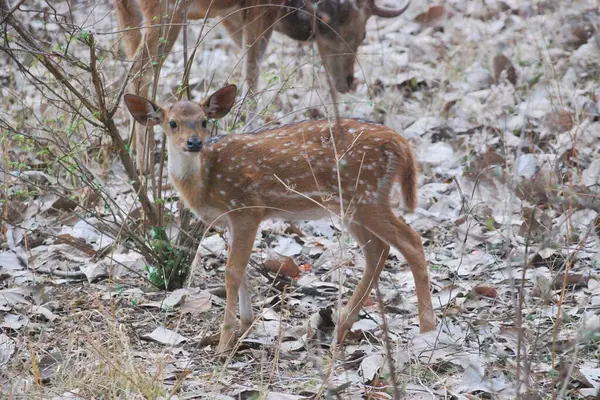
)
(340, 28)
(185, 121)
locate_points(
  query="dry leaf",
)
(13, 321)
(197, 303)
(43, 311)
(287, 246)
(486, 290)
(573, 280)
(433, 17)
(16, 296)
(176, 298)
(293, 229)
(50, 364)
(370, 366)
(560, 120)
(282, 265)
(10, 261)
(165, 336)
(78, 243)
(364, 325)
(7, 348)
(502, 64)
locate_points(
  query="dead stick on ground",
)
(388, 345)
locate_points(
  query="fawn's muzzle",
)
(194, 144)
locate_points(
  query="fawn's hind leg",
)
(376, 253)
(381, 221)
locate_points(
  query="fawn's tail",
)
(408, 180)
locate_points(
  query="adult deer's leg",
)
(162, 24)
(376, 253)
(381, 221)
(130, 20)
(243, 231)
(251, 29)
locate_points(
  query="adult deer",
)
(307, 170)
(337, 26)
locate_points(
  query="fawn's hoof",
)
(428, 323)
(224, 351)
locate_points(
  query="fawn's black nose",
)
(194, 144)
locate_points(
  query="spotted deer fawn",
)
(338, 27)
(308, 170)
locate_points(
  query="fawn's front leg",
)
(243, 231)
(245, 300)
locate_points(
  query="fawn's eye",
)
(173, 124)
(204, 123)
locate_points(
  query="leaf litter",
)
(500, 102)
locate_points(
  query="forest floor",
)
(500, 101)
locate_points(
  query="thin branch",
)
(11, 11)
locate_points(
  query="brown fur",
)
(291, 172)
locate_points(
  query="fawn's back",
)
(293, 169)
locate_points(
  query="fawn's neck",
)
(183, 166)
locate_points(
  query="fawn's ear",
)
(143, 111)
(218, 104)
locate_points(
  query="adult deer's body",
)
(294, 172)
(338, 28)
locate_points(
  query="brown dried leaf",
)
(282, 265)
(78, 243)
(535, 222)
(292, 229)
(503, 63)
(486, 290)
(572, 280)
(560, 120)
(433, 17)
